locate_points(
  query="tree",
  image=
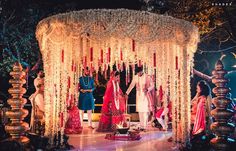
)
(17, 38)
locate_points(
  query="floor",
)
(90, 140)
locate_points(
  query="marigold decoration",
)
(122, 37)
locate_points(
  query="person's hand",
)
(198, 94)
(89, 90)
(82, 90)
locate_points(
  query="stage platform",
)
(90, 140)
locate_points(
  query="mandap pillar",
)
(17, 127)
(221, 127)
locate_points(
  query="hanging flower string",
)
(121, 41)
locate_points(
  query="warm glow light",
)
(101, 38)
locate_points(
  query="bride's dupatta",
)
(111, 114)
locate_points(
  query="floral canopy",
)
(100, 38)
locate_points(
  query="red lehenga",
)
(113, 108)
(73, 125)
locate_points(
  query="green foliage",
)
(17, 38)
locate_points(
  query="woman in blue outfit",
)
(86, 99)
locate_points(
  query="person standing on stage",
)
(113, 107)
(86, 99)
(143, 84)
(37, 102)
(201, 106)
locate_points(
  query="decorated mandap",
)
(100, 38)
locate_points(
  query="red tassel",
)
(109, 55)
(133, 45)
(85, 61)
(91, 67)
(68, 85)
(161, 93)
(62, 56)
(72, 66)
(121, 55)
(139, 63)
(101, 56)
(71, 99)
(118, 66)
(91, 54)
(154, 60)
(176, 63)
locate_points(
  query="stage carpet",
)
(90, 140)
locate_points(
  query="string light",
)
(116, 37)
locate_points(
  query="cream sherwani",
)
(142, 84)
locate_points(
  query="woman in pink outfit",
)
(73, 125)
(200, 108)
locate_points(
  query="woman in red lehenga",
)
(113, 107)
(73, 125)
(201, 105)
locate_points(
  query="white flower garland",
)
(138, 34)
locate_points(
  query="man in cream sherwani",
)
(143, 85)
